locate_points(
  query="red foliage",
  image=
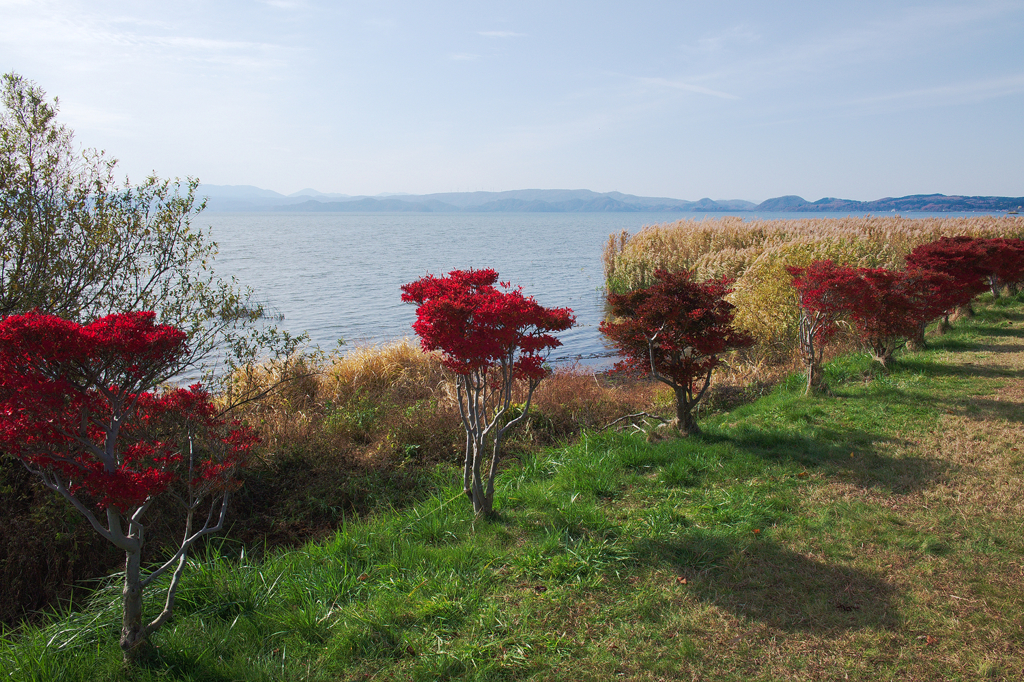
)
(489, 337)
(688, 325)
(76, 405)
(77, 408)
(965, 259)
(885, 306)
(823, 287)
(676, 330)
(476, 325)
(1005, 259)
(960, 257)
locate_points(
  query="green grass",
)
(797, 538)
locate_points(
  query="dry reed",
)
(392, 403)
(756, 254)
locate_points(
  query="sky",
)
(726, 100)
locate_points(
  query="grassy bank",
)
(342, 437)
(873, 534)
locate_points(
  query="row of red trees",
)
(889, 308)
(676, 330)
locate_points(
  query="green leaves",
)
(78, 244)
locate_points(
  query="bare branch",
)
(631, 417)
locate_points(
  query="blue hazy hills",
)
(249, 198)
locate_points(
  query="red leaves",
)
(476, 325)
(76, 401)
(825, 290)
(688, 323)
(884, 305)
(887, 305)
(972, 263)
(128, 349)
(1006, 258)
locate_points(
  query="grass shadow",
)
(762, 581)
(998, 330)
(982, 409)
(183, 665)
(851, 453)
(928, 367)
(296, 500)
(985, 409)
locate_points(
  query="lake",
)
(338, 275)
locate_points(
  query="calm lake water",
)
(338, 275)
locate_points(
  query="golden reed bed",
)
(756, 254)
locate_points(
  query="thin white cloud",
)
(879, 40)
(688, 87)
(716, 43)
(463, 57)
(951, 94)
(501, 34)
(91, 42)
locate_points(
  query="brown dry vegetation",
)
(389, 404)
(756, 254)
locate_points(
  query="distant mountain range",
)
(249, 198)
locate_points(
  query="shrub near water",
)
(391, 403)
(372, 401)
(756, 254)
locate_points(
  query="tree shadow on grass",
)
(983, 409)
(927, 367)
(958, 342)
(298, 500)
(852, 454)
(999, 331)
(998, 313)
(180, 665)
(759, 580)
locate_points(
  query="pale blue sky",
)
(728, 100)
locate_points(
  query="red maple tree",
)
(77, 407)
(822, 287)
(1005, 261)
(490, 337)
(675, 330)
(887, 307)
(962, 258)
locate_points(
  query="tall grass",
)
(393, 402)
(756, 254)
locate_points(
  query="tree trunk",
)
(467, 471)
(686, 422)
(1012, 288)
(916, 341)
(994, 285)
(131, 618)
(815, 375)
(477, 487)
(944, 326)
(884, 359)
